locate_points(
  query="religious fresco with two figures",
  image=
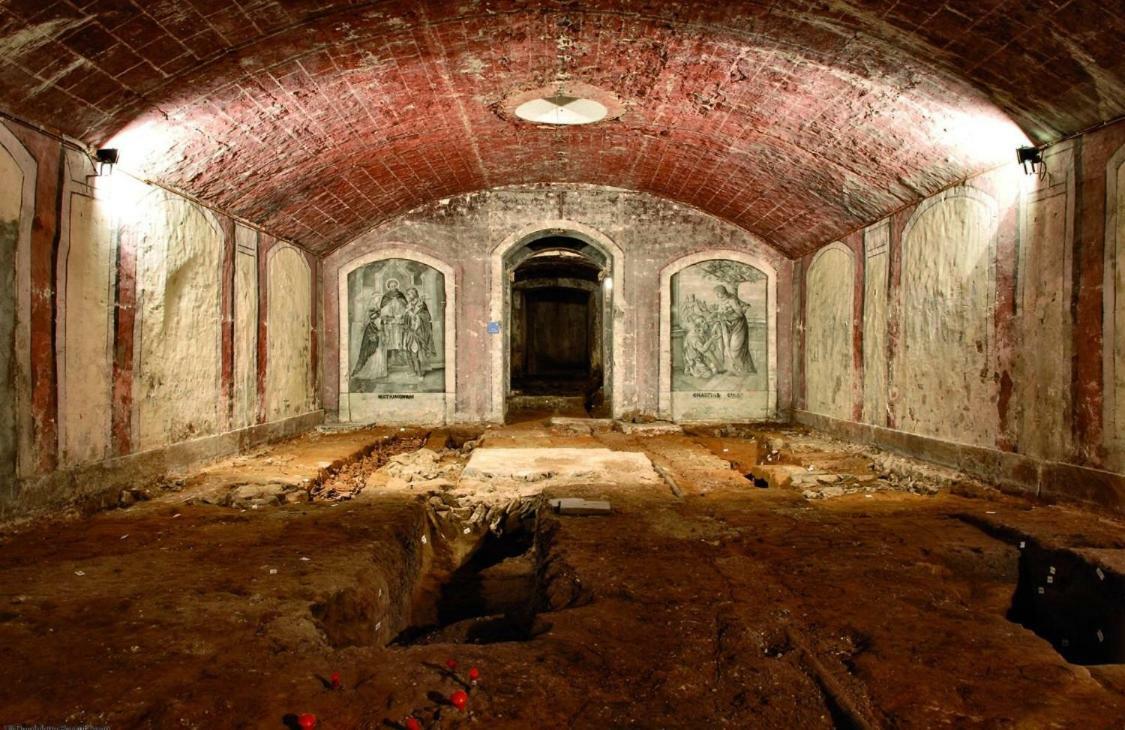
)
(396, 310)
(719, 328)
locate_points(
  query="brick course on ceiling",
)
(797, 120)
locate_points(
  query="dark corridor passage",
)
(556, 326)
(558, 334)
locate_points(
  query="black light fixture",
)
(1031, 158)
(106, 159)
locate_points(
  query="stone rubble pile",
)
(470, 515)
(422, 469)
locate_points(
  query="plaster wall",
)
(180, 322)
(127, 311)
(942, 373)
(829, 332)
(11, 200)
(466, 231)
(245, 407)
(87, 277)
(1002, 336)
(876, 251)
(1114, 359)
(1043, 374)
(288, 381)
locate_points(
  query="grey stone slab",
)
(579, 506)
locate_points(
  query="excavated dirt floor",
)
(769, 578)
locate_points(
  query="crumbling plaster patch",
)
(829, 332)
(289, 322)
(942, 379)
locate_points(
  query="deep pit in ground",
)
(1064, 596)
(489, 578)
(490, 598)
(1076, 605)
(501, 590)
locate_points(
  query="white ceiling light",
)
(561, 109)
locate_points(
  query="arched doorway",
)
(556, 346)
(547, 278)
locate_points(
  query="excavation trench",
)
(1070, 601)
(1069, 596)
(481, 579)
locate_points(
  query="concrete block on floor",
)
(561, 464)
(579, 506)
(778, 476)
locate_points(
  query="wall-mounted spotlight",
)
(1031, 158)
(106, 158)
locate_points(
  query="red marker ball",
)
(412, 724)
(459, 699)
(474, 673)
(307, 721)
(335, 680)
(451, 663)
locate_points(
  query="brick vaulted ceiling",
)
(798, 120)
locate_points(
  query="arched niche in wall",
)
(87, 277)
(829, 332)
(943, 364)
(397, 338)
(288, 333)
(177, 387)
(18, 171)
(1113, 337)
(506, 256)
(718, 338)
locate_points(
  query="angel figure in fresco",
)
(418, 332)
(731, 316)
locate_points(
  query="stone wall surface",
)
(828, 334)
(124, 309)
(995, 309)
(464, 232)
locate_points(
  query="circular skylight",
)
(562, 109)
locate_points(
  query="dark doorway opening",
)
(558, 340)
(556, 353)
